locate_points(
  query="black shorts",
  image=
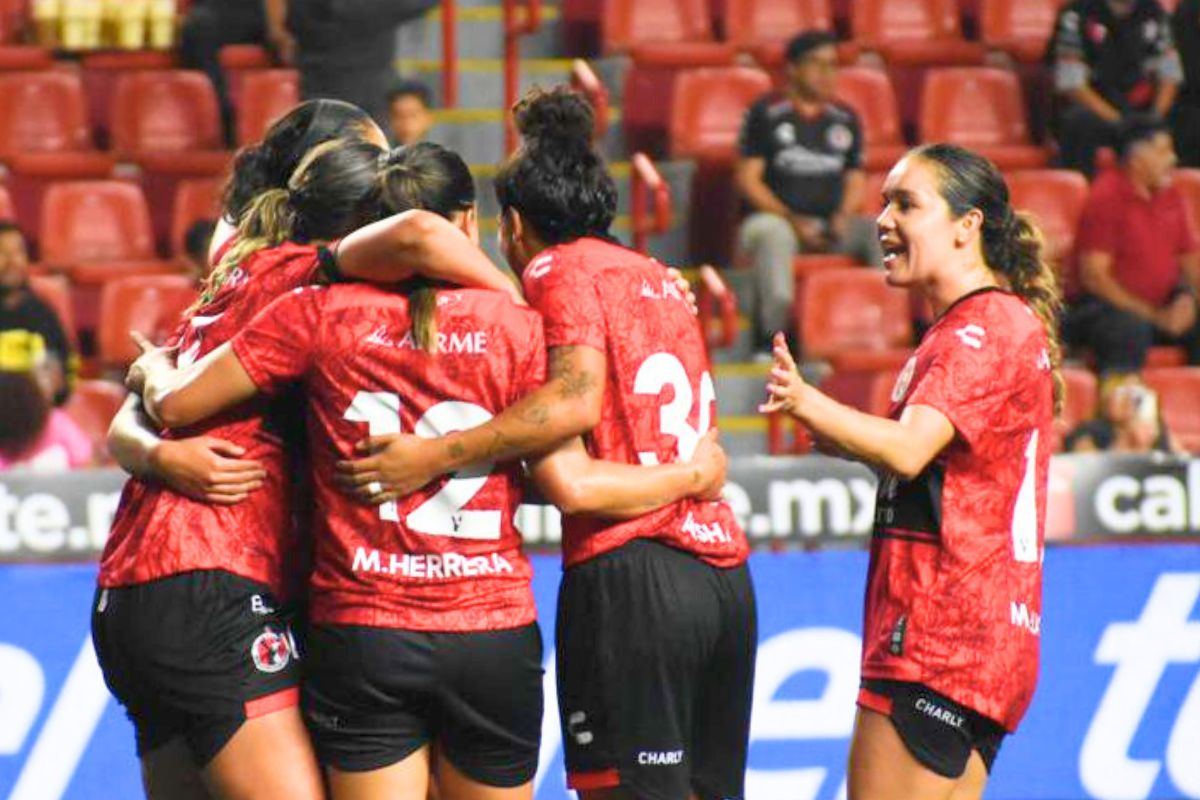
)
(939, 732)
(373, 696)
(195, 655)
(656, 657)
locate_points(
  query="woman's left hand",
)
(685, 288)
(154, 360)
(785, 386)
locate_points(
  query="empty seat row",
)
(926, 31)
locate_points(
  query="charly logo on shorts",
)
(271, 651)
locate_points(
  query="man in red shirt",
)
(1137, 244)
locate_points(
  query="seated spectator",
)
(33, 433)
(1185, 117)
(1128, 421)
(196, 243)
(800, 172)
(1137, 253)
(409, 112)
(212, 24)
(23, 311)
(1111, 58)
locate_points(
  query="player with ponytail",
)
(954, 588)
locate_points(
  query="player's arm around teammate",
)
(964, 456)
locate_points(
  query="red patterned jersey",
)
(446, 558)
(954, 590)
(659, 397)
(157, 532)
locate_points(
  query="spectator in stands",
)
(25, 315)
(197, 243)
(33, 433)
(409, 112)
(800, 172)
(1111, 58)
(1185, 116)
(1128, 420)
(346, 51)
(212, 24)
(1137, 253)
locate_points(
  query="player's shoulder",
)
(580, 260)
(992, 321)
(496, 307)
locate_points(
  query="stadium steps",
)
(479, 34)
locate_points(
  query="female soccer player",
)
(950, 637)
(222, 695)
(656, 621)
(205, 467)
(423, 615)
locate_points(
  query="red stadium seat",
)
(1056, 198)
(90, 221)
(239, 62)
(43, 112)
(981, 108)
(866, 390)
(167, 123)
(1020, 28)
(23, 58)
(195, 199)
(662, 37)
(56, 292)
(872, 203)
(92, 406)
(851, 318)
(1178, 388)
(708, 110)
(165, 112)
(707, 113)
(151, 305)
(752, 23)
(869, 92)
(266, 95)
(45, 136)
(913, 31)
(102, 71)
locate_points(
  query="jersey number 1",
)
(442, 514)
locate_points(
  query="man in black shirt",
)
(24, 314)
(800, 171)
(1111, 58)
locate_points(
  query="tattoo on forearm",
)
(575, 382)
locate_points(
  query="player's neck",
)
(952, 287)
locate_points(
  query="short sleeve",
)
(279, 344)
(970, 379)
(751, 136)
(566, 297)
(1100, 225)
(533, 370)
(854, 156)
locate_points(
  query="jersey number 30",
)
(665, 369)
(442, 514)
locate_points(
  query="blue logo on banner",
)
(1116, 716)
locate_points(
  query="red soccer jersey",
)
(158, 532)
(447, 558)
(954, 590)
(659, 397)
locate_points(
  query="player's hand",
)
(154, 360)
(685, 288)
(207, 469)
(392, 466)
(785, 387)
(710, 459)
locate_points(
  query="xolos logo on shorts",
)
(271, 651)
